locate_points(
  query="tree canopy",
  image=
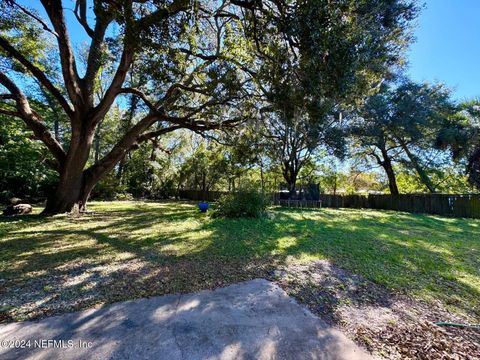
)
(268, 88)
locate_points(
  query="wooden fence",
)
(456, 205)
(467, 205)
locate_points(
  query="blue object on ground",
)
(203, 206)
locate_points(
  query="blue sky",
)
(448, 46)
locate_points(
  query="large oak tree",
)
(179, 49)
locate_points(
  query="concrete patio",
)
(250, 320)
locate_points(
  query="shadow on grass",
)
(151, 249)
(250, 320)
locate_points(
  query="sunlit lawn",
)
(132, 249)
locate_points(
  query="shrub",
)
(246, 202)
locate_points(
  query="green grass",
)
(131, 249)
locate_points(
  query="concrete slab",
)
(250, 320)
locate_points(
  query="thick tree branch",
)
(199, 55)
(129, 48)
(55, 13)
(32, 120)
(122, 147)
(94, 57)
(136, 135)
(80, 12)
(126, 60)
(201, 125)
(374, 154)
(53, 164)
(113, 90)
(37, 73)
(154, 134)
(6, 96)
(174, 8)
(246, 4)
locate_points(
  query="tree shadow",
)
(165, 248)
(247, 320)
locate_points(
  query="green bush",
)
(247, 202)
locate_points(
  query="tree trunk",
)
(291, 180)
(74, 186)
(69, 192)
(290, 175)
(392, 181)
(75, 182)
(473, 168)
(386, 163)
(420, 171)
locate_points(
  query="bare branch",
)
(71, 78)
(38, 19)
(141, 95)
(80, 12)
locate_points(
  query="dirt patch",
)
(389, 325)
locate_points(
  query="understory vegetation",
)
(246, 202)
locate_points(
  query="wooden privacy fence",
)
(442, 204)
(466, 205)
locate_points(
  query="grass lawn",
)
(132, 249)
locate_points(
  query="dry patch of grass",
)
(386, 323)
